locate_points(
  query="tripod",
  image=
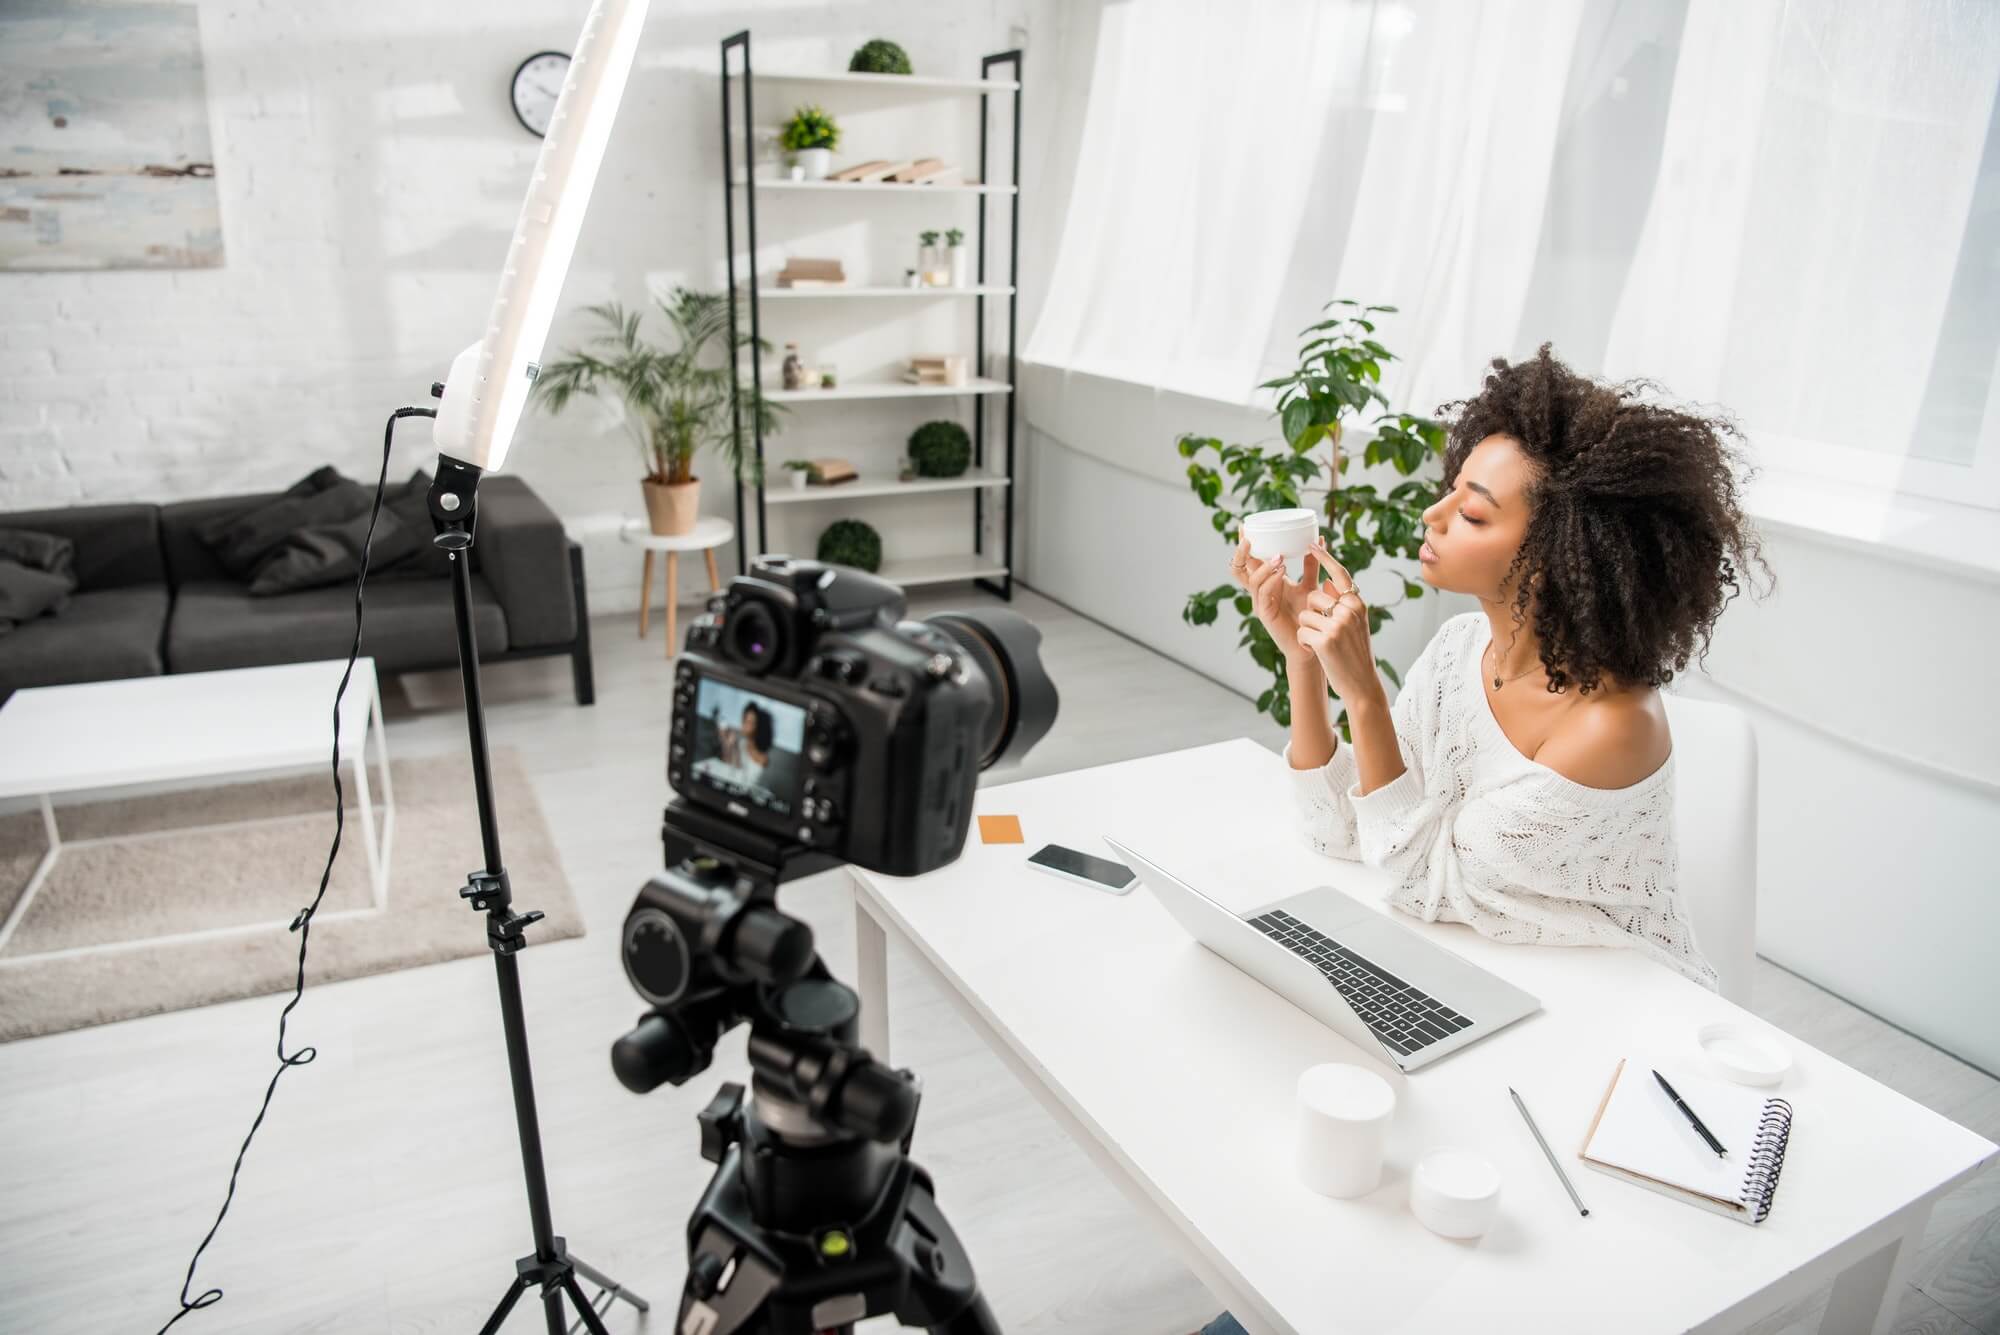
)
(453, 505)
(816, 1218)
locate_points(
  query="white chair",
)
(1715, 825)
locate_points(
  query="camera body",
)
(807, 708)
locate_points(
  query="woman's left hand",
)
(1334, 625)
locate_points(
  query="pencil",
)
(1581, 1208)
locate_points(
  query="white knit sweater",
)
(1480, 834)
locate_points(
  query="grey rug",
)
(87, 950)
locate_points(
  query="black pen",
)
(1688, 1113)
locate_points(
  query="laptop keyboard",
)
(1404, 1018)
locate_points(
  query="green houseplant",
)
(803, 471)
(849, 542)
(677, 398)
(940, 449)
(810, 136)
(1340, 365)
(880, 56)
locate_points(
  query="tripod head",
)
(815, 1218)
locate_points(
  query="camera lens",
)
(751, 636)
(1007, 649)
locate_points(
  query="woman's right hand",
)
(1277, 601)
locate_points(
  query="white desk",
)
(1175, 1072)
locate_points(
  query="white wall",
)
(370, 170)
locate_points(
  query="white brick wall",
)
(370, 170)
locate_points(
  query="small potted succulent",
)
(961, 261)
(810, 137)
(803, 471)
(880, 56)
(930, 259)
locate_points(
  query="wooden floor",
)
(384, 1191)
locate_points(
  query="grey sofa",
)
(151, 598)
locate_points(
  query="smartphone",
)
(1099, 873)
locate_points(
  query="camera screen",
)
(748, 745)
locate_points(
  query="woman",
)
(1523, 781)
(742, 753)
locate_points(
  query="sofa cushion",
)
(117, 546)
(406, 624)
(329, 552)
(37, 575)
(243, 539)
(102, 634)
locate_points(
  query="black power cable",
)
(302, 924)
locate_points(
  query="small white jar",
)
(1343, 1129)
(1455, 1193)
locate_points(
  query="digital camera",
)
(807, 708)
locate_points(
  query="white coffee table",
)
(195, 725)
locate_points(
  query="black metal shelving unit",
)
(743, 77)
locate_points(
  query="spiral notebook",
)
(1640, 1136)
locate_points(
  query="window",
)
(1790, 208)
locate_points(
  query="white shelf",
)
(801, 293)
(915, 82)
(879, 187)
(786, 495)
(887, 389)
(941, 569)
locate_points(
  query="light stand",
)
(453, 507)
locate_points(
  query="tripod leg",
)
(610, 1285)
(584, 1309)
(514, 1292)
(552, 1310)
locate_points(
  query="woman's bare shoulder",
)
(1612, 739)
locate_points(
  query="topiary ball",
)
(940, 449)
(849, 542)
(880, 56)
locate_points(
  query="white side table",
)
(709, 532)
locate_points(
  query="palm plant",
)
(680, 398)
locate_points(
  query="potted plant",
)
(940, 449)
(802, 471)
(1339, 365)
(850, 542)
(961, 262)
(676, 399)
(880, 56)
(810, 137)
(929, 262)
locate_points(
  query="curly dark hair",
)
(1636, 535)
(762, 731)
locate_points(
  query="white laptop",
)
(1369, 979)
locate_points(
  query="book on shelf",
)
(937, 370)
(832, 472)
(800, 272)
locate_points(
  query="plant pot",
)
(815, 163)
(961, 267)
(672, 507)
(799, 480)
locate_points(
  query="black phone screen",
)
(1113, 875)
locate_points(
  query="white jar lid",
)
(1345, 1093)
(1455, 1193)
(1280, 518)
(1743, 1054)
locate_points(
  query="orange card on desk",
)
(1000, 830)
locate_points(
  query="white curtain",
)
(1812, 203)
(1191, 180)
(1774, 205)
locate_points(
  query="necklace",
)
(1498, 680)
